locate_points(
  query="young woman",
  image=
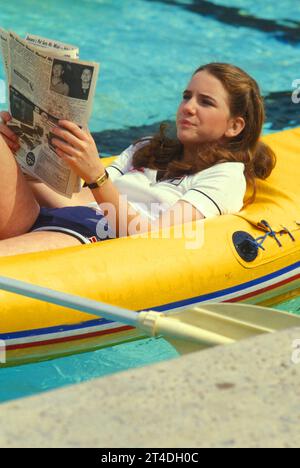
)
(201, 174)
(57, 80)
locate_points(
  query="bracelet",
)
(98, 182)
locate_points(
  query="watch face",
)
(99, 182)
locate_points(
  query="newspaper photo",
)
(46, 82)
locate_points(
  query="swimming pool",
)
(147, 50)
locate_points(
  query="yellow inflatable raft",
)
(251, 257)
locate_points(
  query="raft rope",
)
(258, 242)
(286, 231)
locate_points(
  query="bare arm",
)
(77, 148)
(8, 135)
(44, 195)
(127, 221)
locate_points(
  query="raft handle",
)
(246, 246)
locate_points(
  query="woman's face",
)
(57, 71)
(204, 113)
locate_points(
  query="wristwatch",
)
(99, 182)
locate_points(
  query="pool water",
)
(35, 378)
(148, 50)
(29, 379)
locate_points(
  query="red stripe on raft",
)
(263, 290)
(126, 328)
(69, 338)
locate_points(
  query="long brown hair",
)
(165, 154)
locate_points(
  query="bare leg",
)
(46, 197)
(36, 242)
(18, 207)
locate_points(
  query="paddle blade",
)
(186, 346)
(209, 325)
(236, 320)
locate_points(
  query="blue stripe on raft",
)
(224, 292)
(57, 329)
(170, 306)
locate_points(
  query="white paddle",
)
(192, 328)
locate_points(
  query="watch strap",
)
(99, 182)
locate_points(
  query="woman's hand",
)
(77, 148)
(10, 138)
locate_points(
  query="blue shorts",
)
(86, 224)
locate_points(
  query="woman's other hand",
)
(78, 149)
(10, 138)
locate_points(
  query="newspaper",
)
(53, 47)
(46, 82)
(4, 49)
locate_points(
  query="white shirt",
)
(217, 190)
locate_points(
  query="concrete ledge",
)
(243, 395)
